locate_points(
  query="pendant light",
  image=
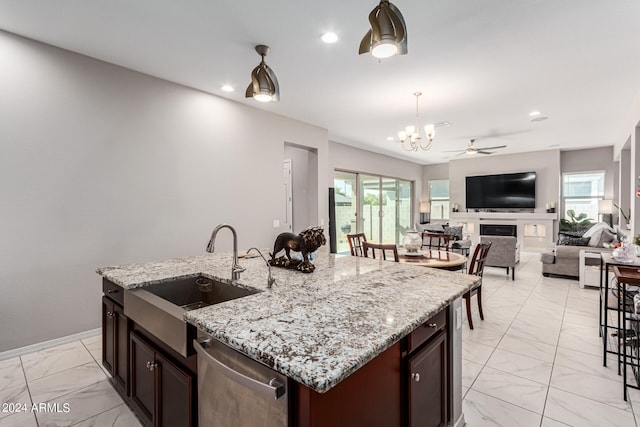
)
(388, 33)
(264, 83)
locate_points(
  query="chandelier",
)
(411, 134)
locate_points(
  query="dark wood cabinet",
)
(162, 393)
(115, 341)
(427, 384)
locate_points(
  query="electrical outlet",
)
(276, 223)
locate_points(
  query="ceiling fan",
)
(472, 149)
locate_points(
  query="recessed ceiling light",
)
(390, 138)
(227, 88)
(539, 118)
(329, 38)
(534, 113)
(554, 145)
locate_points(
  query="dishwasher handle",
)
(273, 389)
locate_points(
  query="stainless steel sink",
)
(196, 292)
(159, 308)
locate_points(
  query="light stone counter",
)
(316, 328)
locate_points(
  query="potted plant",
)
(575, 222)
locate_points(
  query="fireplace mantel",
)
(535, 230)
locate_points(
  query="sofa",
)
(564, 260)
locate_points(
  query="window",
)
(581, 192)
(439, 199)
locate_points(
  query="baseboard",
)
(460, 422)
(48, 344)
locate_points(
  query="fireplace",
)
(498, 230)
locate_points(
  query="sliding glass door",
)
(346, 204)
(383, 211)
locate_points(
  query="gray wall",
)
(304, 171)
(593, 159)
(546, 164)
(349, 158)
(433, 172)
(100, 165)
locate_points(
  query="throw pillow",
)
(434, 228)
(571, 233)
(455, 232)
(574, 241)
(605, 236)
(596, 228)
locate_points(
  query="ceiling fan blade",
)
(484, 152)
(492, 148)
(454, 151)
(458, 155)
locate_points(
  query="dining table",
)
(433, 258)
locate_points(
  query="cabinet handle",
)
(112, 291)
(415, 376)
(433, 325)
(109, 313)
(148, 365)
(152, 366)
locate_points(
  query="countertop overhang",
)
(316, 328)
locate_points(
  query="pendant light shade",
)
(264, 83)
(388, 33)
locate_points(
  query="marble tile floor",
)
(67, 385)
(534, 361)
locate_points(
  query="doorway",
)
(301, 187)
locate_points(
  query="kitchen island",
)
(353, 321)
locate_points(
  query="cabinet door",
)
(428, 384)
(175, 390)
(108, 332)
(121, 350)
(142, 379)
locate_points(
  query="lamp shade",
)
(605, 206)
(425, 207)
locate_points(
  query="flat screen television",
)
(506, 191)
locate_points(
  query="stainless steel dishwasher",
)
(236, 391)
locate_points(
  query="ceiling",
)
(482, 65)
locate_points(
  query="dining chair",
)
(370, 249)
(437, 241)
(355, 243)
(477, 268)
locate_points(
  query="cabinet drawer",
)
(113, 291)
(427, 330)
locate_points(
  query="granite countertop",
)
(316, 328)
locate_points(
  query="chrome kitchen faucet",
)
(236, 269)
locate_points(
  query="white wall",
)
(100, 165)
(546, 164)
